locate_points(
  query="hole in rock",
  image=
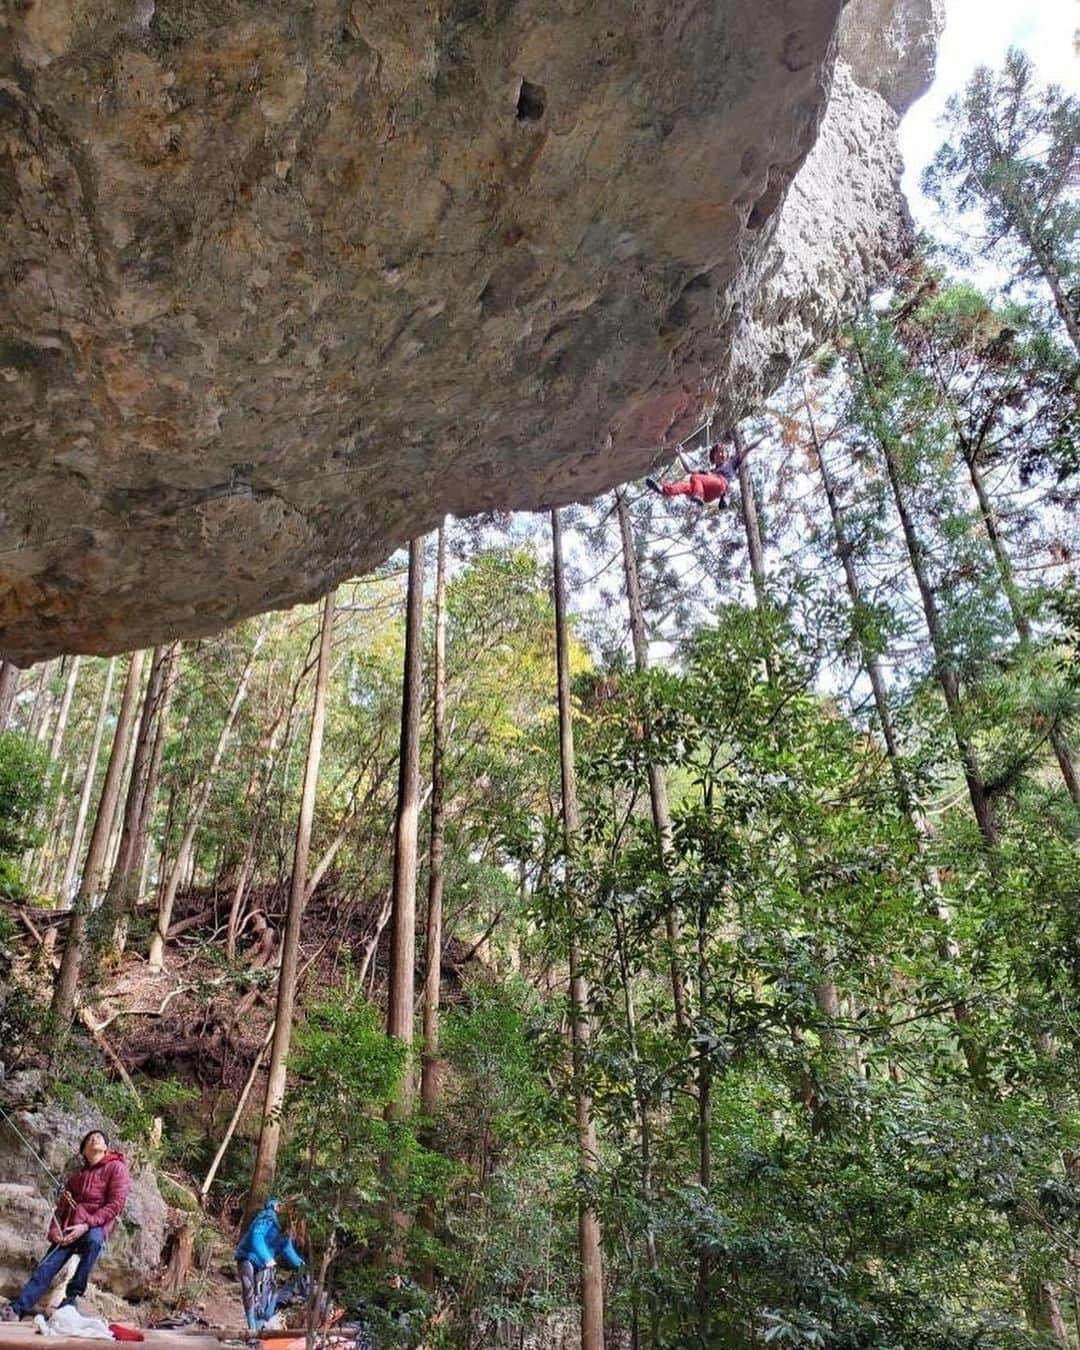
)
(530, 104)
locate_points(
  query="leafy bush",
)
(23, 790)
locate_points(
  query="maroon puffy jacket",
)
(93, 1196)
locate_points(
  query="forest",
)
(647, 923)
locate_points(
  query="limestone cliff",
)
(282, 284)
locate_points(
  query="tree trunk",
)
(429, 1080)
(401, 996)
(119, 897)
(9, 684)
(871, 664)
(60, 725)
(591, 1255)
(430, 1066)
(270, 1133)
(644, 1125)
(9, 687)
(748, 503)
(169, 681)
(943, 668)
(55, 742)
(44, 878)
(658, 797)
(63, 1003)
(1028, 232)
(1058, 738)
(944, 671)
(113, 850)
(178, 1270)
(37, 726)
(704, 1116)
(259, 786)
(974, 1053)
(89, 775)
(185, 853)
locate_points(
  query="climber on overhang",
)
(703, 488)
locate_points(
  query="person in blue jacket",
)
(264, 1244)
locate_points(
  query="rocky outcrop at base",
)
(27, 1195)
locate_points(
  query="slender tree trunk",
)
(429, 1080)
(60, 725)
(55, 742)
(943, 667)
(259, 785)
(113, 850)
(433, 940)
(270, 1133)
(751, 524)
(63, 1003)
(37, 727)
(589, 1245)
(89, 775)
(1018, 216)
(401, 996)
(119, 897)
(1060, 742)
(644, 1126)
(944, 671)
(44, 879)
(844, 551)
(704, 1121)
(658, 796)
(974, 1053)
(238, 1111)
(169, 680)
(9, 685)
(185, 853)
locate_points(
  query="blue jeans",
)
(87, 1249)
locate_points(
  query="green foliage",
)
(83, 1080)
(1010, 157)
(23, 791)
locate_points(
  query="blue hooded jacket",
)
(265, 1242)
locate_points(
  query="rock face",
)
(283, 284)
(134, 1250)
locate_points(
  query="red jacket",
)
(97, 1195)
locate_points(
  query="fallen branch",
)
(193, 922)
(208, 1180)
(148, 1012)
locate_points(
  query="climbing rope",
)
(41, 1161)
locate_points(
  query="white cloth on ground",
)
(68, 1321)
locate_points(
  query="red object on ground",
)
(122, 1333)
(706, 487)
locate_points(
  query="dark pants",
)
(257, 1292)
(87, 1249)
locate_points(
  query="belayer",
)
(88, 1207)
(704, 488)
(264, 1243)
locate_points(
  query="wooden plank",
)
(22, 1335)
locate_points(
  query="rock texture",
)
(283, 284)
(133, 1252)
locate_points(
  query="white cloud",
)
(978, 32)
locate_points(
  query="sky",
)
(978, 32)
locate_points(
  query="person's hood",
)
(271, 1205)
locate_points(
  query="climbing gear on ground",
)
(653, 484)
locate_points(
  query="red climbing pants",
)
(706, 487)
